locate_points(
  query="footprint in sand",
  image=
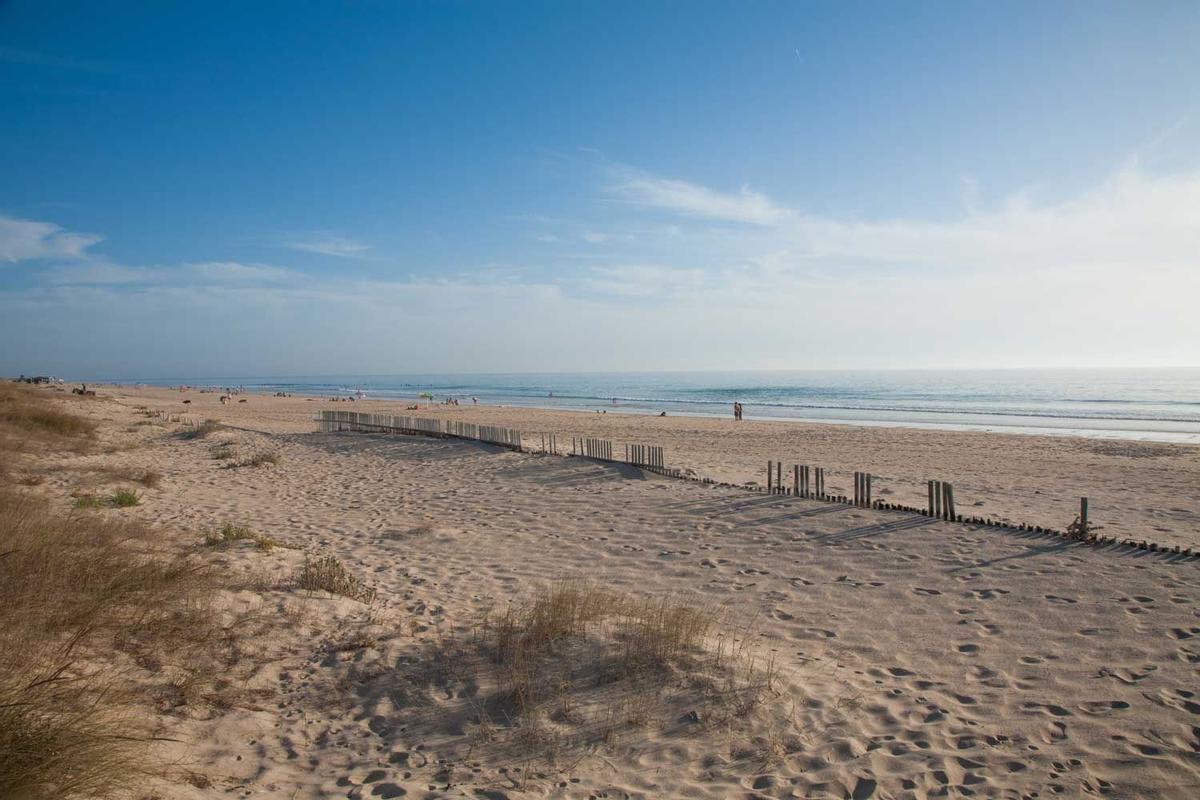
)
(1179, 699)
(1046, 708)
(1055, 732)
(985, 594)
(1095, 631)
(1183, 633)
(1053, 598)
(814, 633)
(927, 592)
(967, 649)
(1127, 676)
(1103, 706)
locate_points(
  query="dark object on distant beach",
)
(242, 400)
(663, 414)
(185, 402)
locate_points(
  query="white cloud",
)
(692, 200)
(1129, 225)
(329, 245)
(26, 240)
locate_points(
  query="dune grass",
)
(229, 533)
(578, 666)
(73, 587)
(32, 419)
(644, 635)
(223, 452)
(202, 430)
(328, 574)
(122, 498)
(256, 460)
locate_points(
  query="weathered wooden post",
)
(770, 465)
(1083, 515)
(779, 477)
(796, 480)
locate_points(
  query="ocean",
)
(1151, 404)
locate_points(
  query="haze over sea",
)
(1151, 404)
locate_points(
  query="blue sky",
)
(304, 188)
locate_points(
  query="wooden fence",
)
(332, 421)
(807, 482)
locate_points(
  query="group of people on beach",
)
(737, 412)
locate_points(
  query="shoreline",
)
(1136, 489)
(1135, 434)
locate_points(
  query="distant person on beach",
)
(737, 412)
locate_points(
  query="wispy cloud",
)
(1131, 220)
(689, 199)
(329, 245)
(27, 240)
(644, 280)
(209, 273)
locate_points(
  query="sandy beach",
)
(907, 657)
(1140, 490)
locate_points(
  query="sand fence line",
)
(807, 481)
(649, 457)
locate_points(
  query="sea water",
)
(1152, 404)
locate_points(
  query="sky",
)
(269, 189)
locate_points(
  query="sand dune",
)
(916, 658)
